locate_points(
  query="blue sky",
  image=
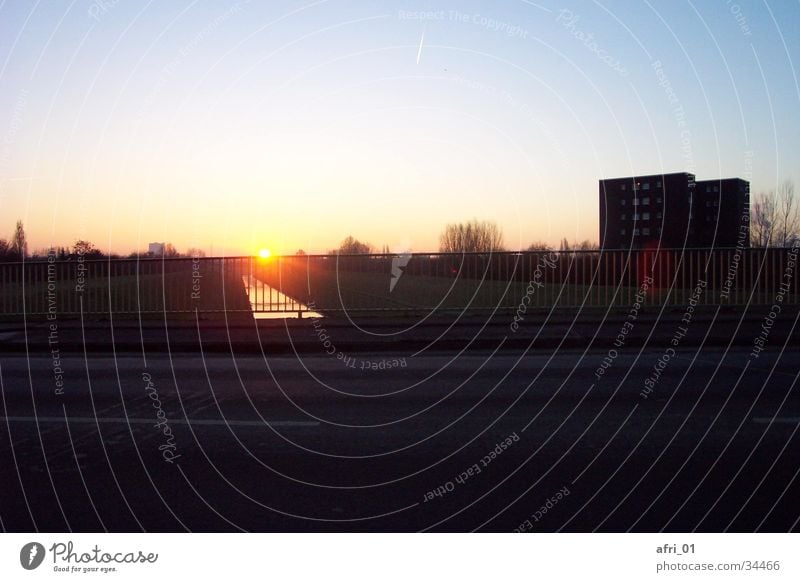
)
(233, 126)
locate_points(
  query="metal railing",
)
(396, 284)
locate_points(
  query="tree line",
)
(16, 249)
(774, 222)
(473, 236)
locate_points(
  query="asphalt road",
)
(491, 441)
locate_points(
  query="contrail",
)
(421, 42)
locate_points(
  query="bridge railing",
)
(403, 283)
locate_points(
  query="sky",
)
(234, 126)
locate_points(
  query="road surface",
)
(443, 442)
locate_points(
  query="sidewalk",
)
(321, 335)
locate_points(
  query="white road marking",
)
(120, 420)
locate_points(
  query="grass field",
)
(149, 292)
(330, 290)
(356, 285)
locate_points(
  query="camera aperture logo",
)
(31, 555)
(399, 263)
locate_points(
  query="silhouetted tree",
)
(762, 220)
(787, 213)
(170, 251)
(19, 244)
(539, 246)
(471, 237)
(586, 245)
(85, 249)
(196, 253)
(775, 218)
(5, 250)
(353, 246)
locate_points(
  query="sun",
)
(264, 253)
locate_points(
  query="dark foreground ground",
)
(382, 436)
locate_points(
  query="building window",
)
(622, 202)
(622, 231)
(716, 188)
(658, 215)
(636, 216)
(623, 186)
(645, 201)
(645, 216)
(646, 186)
(622, 216)
(708, 203)
(635, 232)
(658, 184)
(658, 200)
(716, 202)
(646, 231)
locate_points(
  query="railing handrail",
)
(73, 259)
(434, 280)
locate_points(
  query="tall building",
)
(723, 213)
(156, 249)
(673, 211)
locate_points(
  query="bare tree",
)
(775, 218)
(586, 245)
(5, 250)
(353, 246)
(471, 237)
(170, 251)
(788, 216)
(195, 253)
(762, 220)
(539, 246)
(83, 248)
(19, 244)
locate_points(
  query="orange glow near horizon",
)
(347, 132)
(264, 254)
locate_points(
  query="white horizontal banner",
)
(400, 557)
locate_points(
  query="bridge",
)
(409, 284)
